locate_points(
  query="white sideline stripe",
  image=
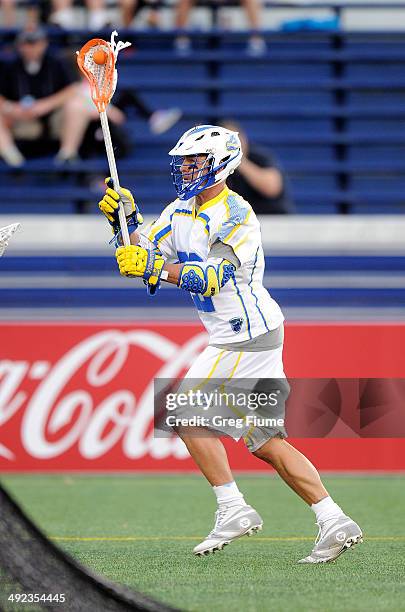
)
(145, 538)
(122, 315)
(323, 233)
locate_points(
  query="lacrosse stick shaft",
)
(114, 174)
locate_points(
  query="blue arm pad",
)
(206, 277)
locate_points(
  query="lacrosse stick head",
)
(5, 235)
(96, 59)
(101, 76)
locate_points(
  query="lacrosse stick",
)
(96, 59)
(5, 235)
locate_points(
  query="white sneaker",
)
(334, 538)
(182, 45)
(163, 120)
(256, 46)
(97, 19)
(64, 18)
(231, 522)
(12, 157)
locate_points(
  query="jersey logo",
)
(236, 324)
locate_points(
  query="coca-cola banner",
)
(80, 396)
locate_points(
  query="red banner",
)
(80, 396)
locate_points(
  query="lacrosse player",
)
(208, 242)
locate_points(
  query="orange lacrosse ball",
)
(100, 57)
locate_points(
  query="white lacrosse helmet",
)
(224, 154)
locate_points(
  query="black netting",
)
(32, 564)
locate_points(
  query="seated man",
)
(259, 179)
(40, 100)
(34, 85)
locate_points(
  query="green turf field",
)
(141, 530)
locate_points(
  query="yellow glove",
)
(137, 261)
(110, 203)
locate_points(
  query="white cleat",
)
(334, 538)
(231, 522)
(164, 119)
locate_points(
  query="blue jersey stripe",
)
(255, 296)
(162, 233)
(206, 219)
(243, 305)
(182, 211)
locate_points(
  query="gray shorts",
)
(255, 425)
(258, 435)
(256, 438)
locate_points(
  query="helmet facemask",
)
(193, 177)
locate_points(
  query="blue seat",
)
(376, 153)
(317, 207)
(269, 70)
(300, 182)
(279, 43)
(374, 44)
(376, 69)
(270, 127)
(183, 98)
(259, 99)
(154, 70)
(385, 127)
(377, 98)
(299, 153)
(384, 185)
(383, 208)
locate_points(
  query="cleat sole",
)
(254, 530)
(350, 542)
(221, 546)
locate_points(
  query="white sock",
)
(326, 509)
(229, 495)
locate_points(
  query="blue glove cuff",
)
(117, 238)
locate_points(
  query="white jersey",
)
(243, 309)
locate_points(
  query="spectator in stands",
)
(256, 44)
(40, 100)
(65, 16)
(9, 16)
(259, 179)
(130, 8)
(8, 13)
(83, 111)
(35, 90)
